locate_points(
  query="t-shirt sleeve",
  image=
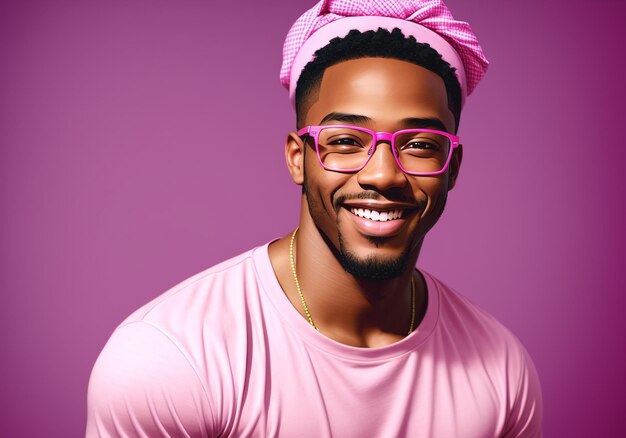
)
(143, 385)
(525, 419)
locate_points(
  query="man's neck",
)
(353, 311)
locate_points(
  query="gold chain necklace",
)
(306, 308)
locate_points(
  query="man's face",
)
(383, 95)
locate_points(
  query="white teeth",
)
(379, 216)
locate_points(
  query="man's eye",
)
(345, 142)
(420, 145)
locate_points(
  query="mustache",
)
(371, 194)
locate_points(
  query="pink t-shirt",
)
(224, 353)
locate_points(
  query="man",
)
(331, 331)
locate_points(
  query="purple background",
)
(117, 181)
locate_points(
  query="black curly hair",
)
(378, 44)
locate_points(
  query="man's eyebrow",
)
(352, 119)
(411, 122)
(416, 122)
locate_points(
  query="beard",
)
(367, 268)
(372, 268)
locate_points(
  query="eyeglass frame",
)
(314, 130)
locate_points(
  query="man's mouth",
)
(375, 215)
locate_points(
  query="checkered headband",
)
(429, 21)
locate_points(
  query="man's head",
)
(382, 81)
(383, 95)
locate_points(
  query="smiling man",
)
(331, 331)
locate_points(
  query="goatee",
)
(372, 268)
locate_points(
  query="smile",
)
(375, 215)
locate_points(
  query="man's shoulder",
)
(218, 287)
(474, 333)
(467, 322)
(165, 353)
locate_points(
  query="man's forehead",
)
(381, 89)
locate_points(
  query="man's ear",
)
(455, 165)
(294, 155)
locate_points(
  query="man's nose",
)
(382, 171)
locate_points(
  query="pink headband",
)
(328, 19)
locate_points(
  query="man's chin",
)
(373, 267)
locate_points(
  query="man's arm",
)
(525, 417)
(143, 385)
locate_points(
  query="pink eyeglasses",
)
(348, 149)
